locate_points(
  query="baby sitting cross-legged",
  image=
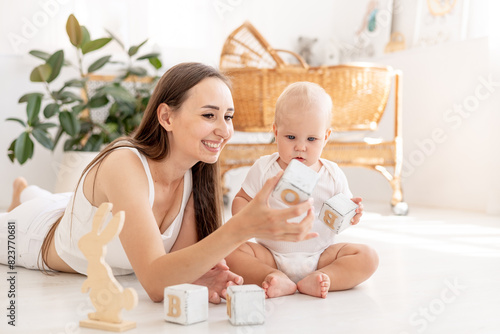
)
(318, 265)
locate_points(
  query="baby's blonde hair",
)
(304, 94)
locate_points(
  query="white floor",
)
(439, 273)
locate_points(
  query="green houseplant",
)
(68, 110)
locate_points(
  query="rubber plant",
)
(67, 110)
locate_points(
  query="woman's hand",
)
(258, 220)
(217, 280)
(359, 210)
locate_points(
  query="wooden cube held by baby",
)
(246, 304)
(337, 212)
(296, 184)
(186, 303)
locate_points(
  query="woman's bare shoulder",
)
(123, 169)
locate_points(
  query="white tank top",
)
(69, 231)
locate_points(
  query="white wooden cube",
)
(246, 304)
(186, 303)
(337, 212)
(296, 184)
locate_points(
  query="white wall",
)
(447, 155)
(460, 172)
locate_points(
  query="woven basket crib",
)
(360, 93)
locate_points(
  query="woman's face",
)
(203, 124)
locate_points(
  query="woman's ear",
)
(164, 114)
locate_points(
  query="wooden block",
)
(296, 184)
(108, 326)
(186, 303)
(337, 212)
(246, 304)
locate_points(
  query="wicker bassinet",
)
(360, 93)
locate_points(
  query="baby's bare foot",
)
(17, 187)
(277, 284)
(315, 284)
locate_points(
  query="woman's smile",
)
(212, 146)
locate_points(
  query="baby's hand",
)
(359, 210)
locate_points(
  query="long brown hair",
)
(151, 140)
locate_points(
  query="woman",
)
(166, 180)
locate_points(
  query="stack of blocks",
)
(337, 212)
(296, 185)
(187, 304)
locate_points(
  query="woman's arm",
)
(142, 241)
(217, 278)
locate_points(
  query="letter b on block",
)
(329, 218)
(186, 303)
(174, 306)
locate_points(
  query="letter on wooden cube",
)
(186, 303)
(337, 212)
(296, 184)
(246, 304)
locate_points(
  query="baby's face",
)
(301, 135)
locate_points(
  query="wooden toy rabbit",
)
(106, 293)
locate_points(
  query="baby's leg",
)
(256, 265)
(347, 265)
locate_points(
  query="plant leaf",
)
(25, 97)
(67, 97)
(156, 62)
(16, 120)
(40, 54)
(69, 123)
(93, 144)
(133, 49)
(45, 126)
(79, 83)
(33, 108)
(116, 39)
(50, 110)
(73, 144)
(117, 92)
(42, 137)
(85, 35)
(149, 55)
(11, 151)
(58, 136)
(98, 64)
(74, 31)
(23, 149)
(139, 71)
(98, 101)
(41, 73)
(55, 61)
(75, 110)
(94, 45)
(45, 56)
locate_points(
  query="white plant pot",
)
(70, 169)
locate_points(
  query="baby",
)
(318, 265)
